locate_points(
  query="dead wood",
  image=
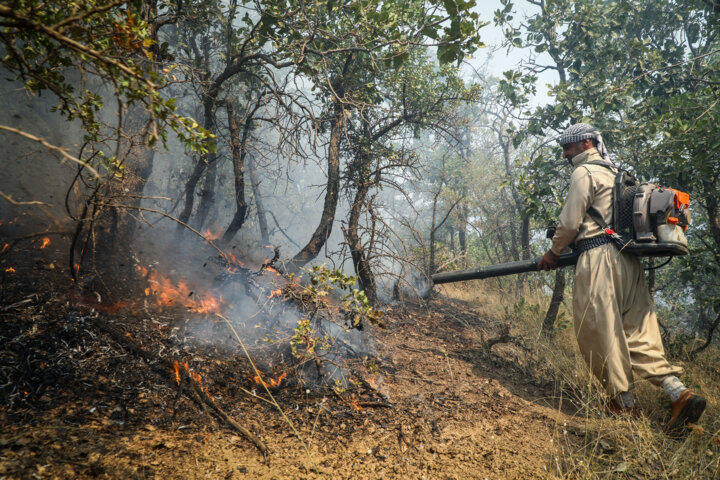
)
(188, 385)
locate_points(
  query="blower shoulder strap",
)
(592, 211)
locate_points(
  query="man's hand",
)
(548, 261)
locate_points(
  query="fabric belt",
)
(589, 243)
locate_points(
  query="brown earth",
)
(79, 402)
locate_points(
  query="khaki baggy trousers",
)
(615, 321)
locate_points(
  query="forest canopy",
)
(364, 133)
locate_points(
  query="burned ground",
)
(90, 393)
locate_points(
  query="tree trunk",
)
(203, 162)
(322, 232)
(525, 246)
(462, 236)
(352, 236)
(257, 196)
(207, 193)
(555, 302)
(239, 149)
(114, 229)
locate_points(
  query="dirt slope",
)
(431, 403)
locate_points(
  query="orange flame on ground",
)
(209, 235)
(234, 260)
(275, 293)
(176, 369)
(10, 269)
(5, 247)
(45, 242)
(193, 375)
(356, 406)
(272, 383)
(167, 293)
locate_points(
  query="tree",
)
(94, 54)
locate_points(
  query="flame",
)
(166, 293)
(233, 259)
(356, 406)
(10, 269)
(176, 369)
(45, 242)
(209, 235)
(276, 293)
(192, 374)
(272, 383)
(272, 269)
(5, 248)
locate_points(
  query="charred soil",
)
(89, 392)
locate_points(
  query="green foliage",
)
(355, 307)
(54, 46)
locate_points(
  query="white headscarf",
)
(582, 131)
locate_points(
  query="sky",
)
(502, 60)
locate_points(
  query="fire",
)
(234, 262)
(45, 242)
(272, 269)
(5, 248)
(272, 382)
(196, 377)
(356, 406)
(10, 269)
(176, 369)
(167, 293)
(209, 235)
(275, 293)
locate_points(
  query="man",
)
(614, 316)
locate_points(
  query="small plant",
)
(355, 306)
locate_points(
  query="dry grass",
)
(611, 448)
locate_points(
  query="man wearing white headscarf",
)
(614, 316)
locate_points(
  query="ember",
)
(271, 383)
(45, 242)
(10, 269)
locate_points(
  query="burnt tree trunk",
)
(324, 228)
(238, 148)
(555, 302)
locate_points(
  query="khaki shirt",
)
(590, 185)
